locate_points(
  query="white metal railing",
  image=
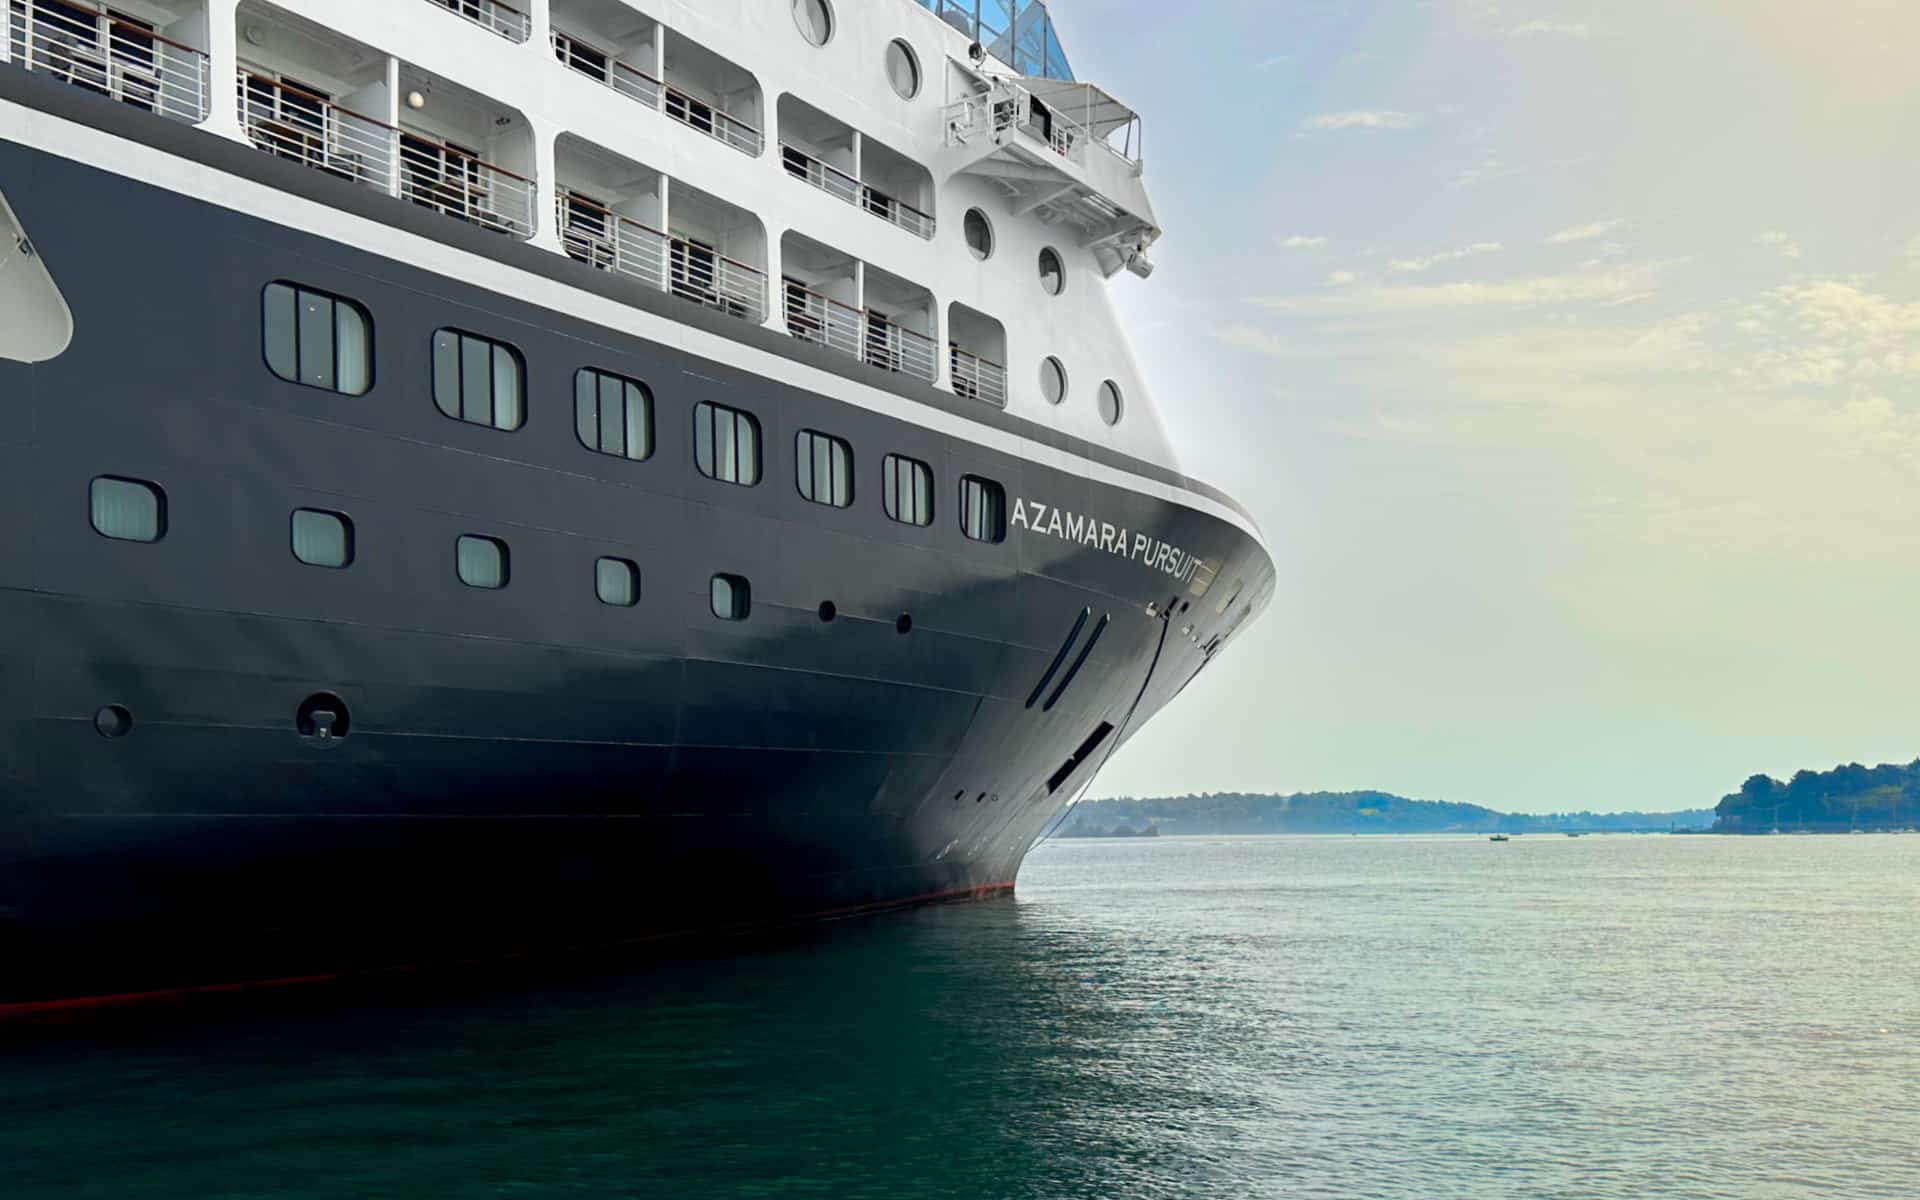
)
(698, 114)
(450, 180)
(602, 67)
(682, 267)
(978, 379)
(493, 16)
(89, 47)
(813, 317)
(832, 180)
(894, 347)
(293, 123)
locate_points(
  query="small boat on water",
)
(1499, 837)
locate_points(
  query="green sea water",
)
(1594, 1018)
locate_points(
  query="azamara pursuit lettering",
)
(1148, 551)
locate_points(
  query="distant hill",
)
(1845, 798)
(1342, 812)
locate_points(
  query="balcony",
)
(288, 121)
(836, 301)
(115, 55)
(614, 215)
(492, 16)
(840, 161)
(976, 352)
(641, 59)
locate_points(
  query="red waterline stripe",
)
(77, 1004)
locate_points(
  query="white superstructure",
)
(858, 173)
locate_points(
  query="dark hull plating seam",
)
(524, 766)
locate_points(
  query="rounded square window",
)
(823, 467)
(127, 510)
(478, 380)
(321, 538)
(612, 414)
(731, 598)
(617, 582)
(481, 561)
(316, 339)
(726, 444)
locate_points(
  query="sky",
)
(1568, 355)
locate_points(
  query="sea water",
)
(1593, 1018)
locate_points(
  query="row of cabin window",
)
(326, 341)
(134, 510)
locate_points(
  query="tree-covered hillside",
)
(1346, 812)
(1847, 797)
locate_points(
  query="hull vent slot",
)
(1094, 741)
(1080, 660)
(1053, 667)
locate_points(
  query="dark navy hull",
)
(524, 768)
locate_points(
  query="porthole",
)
(1053, 274)
(828, 612)
(903, 69)
(1053, 380)
(979, 234)
(904, 624)
(322, 538)
(1111, 406)
(730, 597)
(815, 19)
(616, 581)
(127, 510)
(113, 721)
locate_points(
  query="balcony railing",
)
(682, 267)
(122, 59)
(293, 123)
(604, 67)
(835, 182)
(493, 16)
(978, 379)
(813, 317)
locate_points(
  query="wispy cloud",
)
(1360, 118)
(1428, 262)
(1485, 171)
(1584, 233)
(1624, 284)
(1565, 29)
(1301, 241)
(1780, 242)
(1341, 278)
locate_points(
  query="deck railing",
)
(832, 180)
(977, 378)
(603, 66)
(602, 238)
(292, 123)
(814, 317)
(447, 179)
(493, 16)
(91, 48)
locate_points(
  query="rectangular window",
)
(617, 582)
(726, 444)
(983, 509)
(127, 510)
(612, 414)
(906, 486)
(478, 380)
(316, 339)
(732, 599)
(321, 538)
(825, 469)
(481, 561)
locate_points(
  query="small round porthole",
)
(112, 722)
(1111, 406)
(1053, 380)
(815, 19)
(1053, 273)
(903, 69)
(979, 234)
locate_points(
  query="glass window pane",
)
(322, 539)
(507, 409)
(703, 438)
(730, 598)
(639, 422)
(586, 410)
(748, 435)
(316, 340)
(482, 562)
(612, 415)
(616, 581)
(728, 465)
(278, 320)
(803, 463)
(127, 510)
(446, 372)
(476, 381)
(353, 354)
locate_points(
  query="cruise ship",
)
(484, 480)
